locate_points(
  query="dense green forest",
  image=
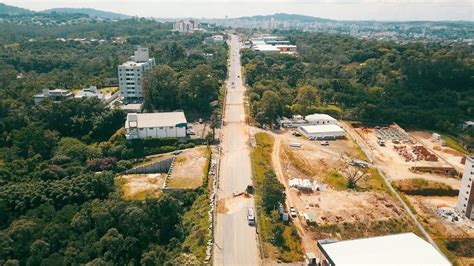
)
(58, 161)
(418, 85)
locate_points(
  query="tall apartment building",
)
(466, 191)
(186, 26)
(131, 73)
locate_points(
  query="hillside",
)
(13, 10)
(292, 17)
(90, 12)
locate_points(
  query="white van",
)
(250, 216)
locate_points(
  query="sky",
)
(393, 10)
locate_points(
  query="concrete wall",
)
(151, 168)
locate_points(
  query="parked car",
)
(293, 212)
(190, 131)
(295, 133)
(294, 144)
(200, 121)
(311, 138)
(324, 143)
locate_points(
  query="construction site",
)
(427, 174)
(316, 179)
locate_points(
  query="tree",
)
(270, 107)
(161, 88)
(272, 192)
(354, 175)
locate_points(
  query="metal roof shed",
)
(400, 249)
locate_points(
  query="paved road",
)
(235, 240)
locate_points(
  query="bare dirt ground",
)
(440, 227)
(313, 161)
(141, 186)
(395, 166)
(188, 170)
(451, 156)
(333, 207)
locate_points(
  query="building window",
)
(151, 128)
(141, 129)
(170, 127)
(162, 128)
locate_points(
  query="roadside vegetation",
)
(356, 230)
(423, 187)
(274, 234)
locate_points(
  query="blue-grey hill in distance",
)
(13, 10)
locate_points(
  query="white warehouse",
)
(322, 131)
(320, 119)
(400, 249)
(156, 125)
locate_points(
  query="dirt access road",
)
(235, 241)
(309, 244)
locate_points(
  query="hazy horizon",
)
(386, 10)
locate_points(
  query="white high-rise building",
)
(186, 26)
(466, 191)
(131, 74)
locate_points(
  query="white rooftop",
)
(316, 117)
(400, 249)
(133, 63)
(266, 48)
(165, 119)
(322, 128)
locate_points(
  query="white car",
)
(190, 131)
(293, 212)
(324, 143)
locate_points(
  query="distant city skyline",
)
(392, 10)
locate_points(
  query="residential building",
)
(156, 125)
(466, 191)
(91, 92)
(185, 26)
(322, 131)
(320, 119)
(131, 75)
(468, 125)
(399, 249)
(55, 95)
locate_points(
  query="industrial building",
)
(156, 125)
(55, 95)
(313, 119)
(400, 249)
(330, 131)
(131, 75)
(466, 191)
(320, 119)
(271, 44)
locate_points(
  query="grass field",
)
(453, 144)
(109, 90)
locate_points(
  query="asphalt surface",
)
(235, 240)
